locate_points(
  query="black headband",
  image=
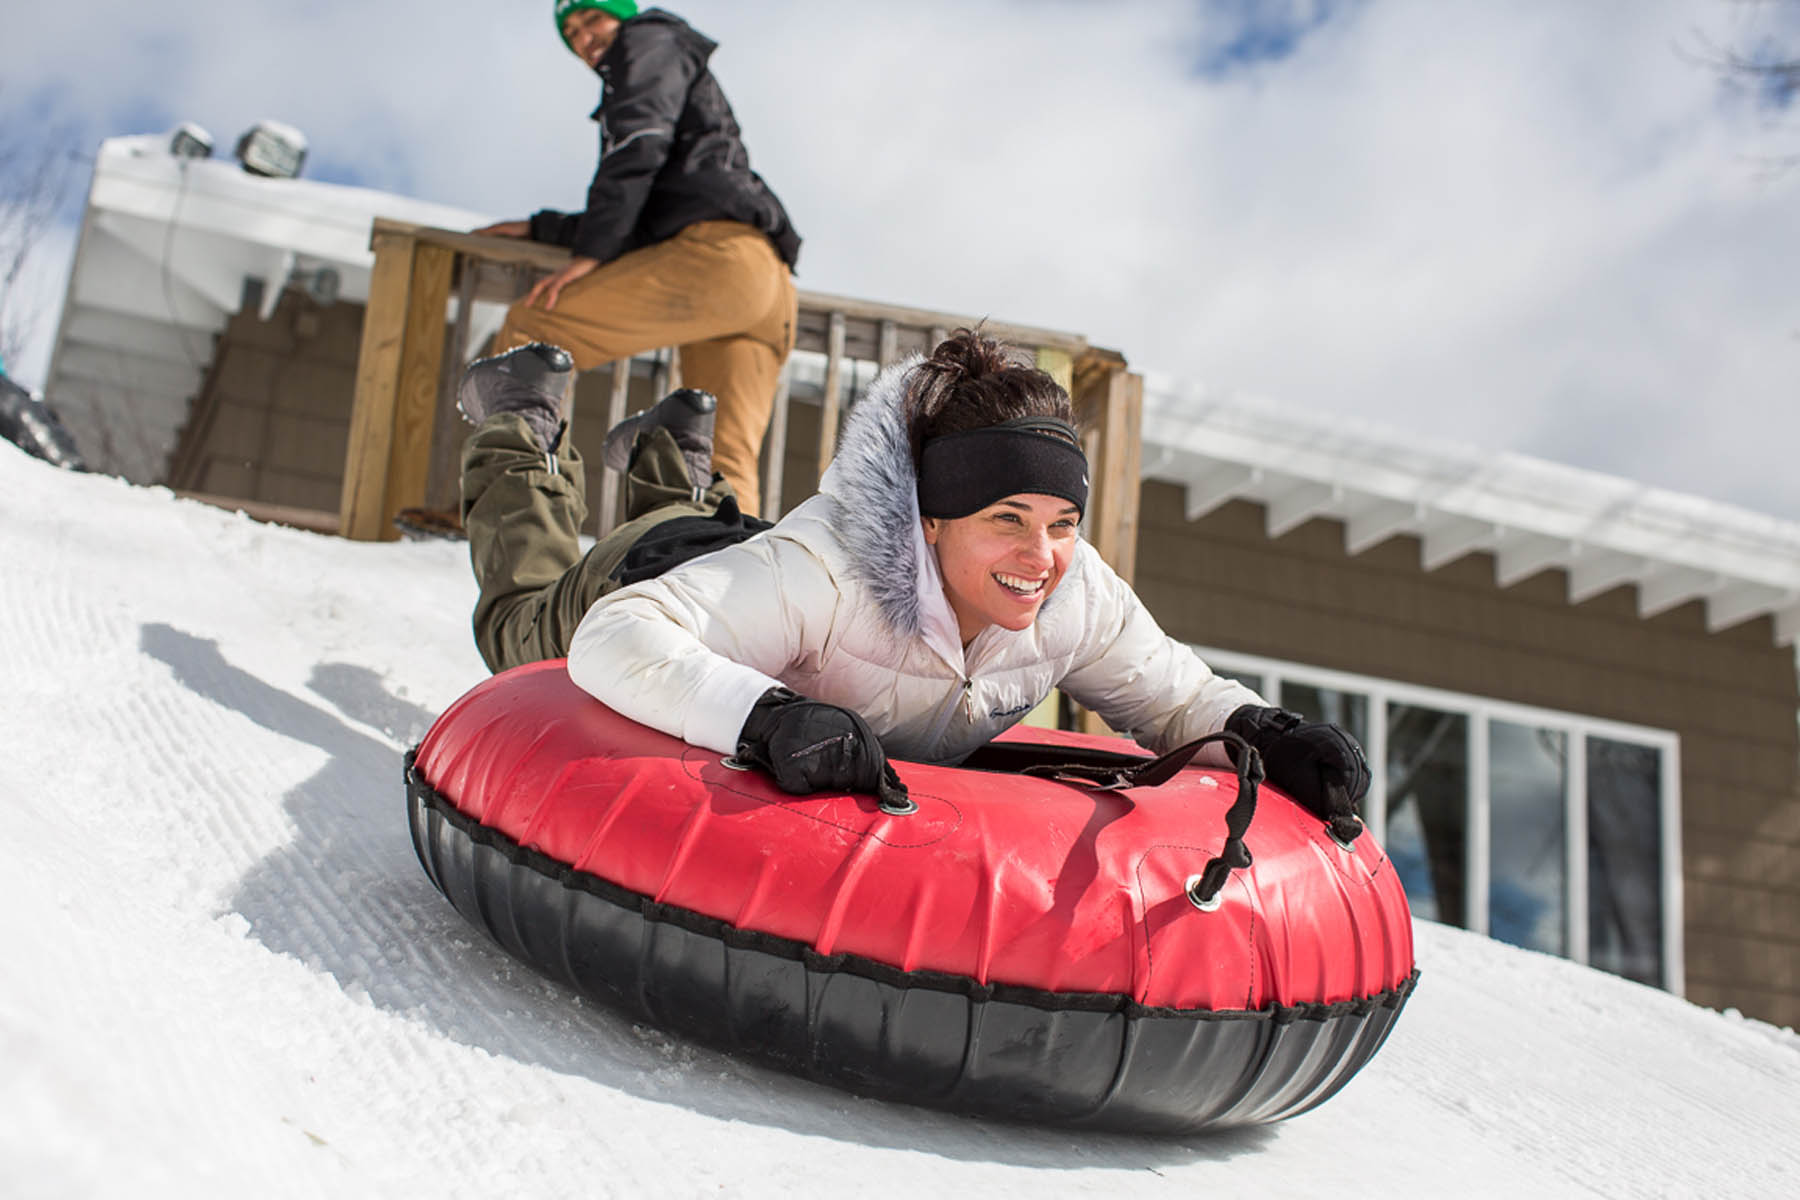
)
(963, 473)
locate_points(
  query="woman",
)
(931, 595)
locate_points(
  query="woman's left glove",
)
(1317, 764)
(811, 746)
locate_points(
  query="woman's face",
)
(1000, 564)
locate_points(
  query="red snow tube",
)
(1018, 946)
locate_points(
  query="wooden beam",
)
(388, 457)
(1131, 471)
(421, 372)
(273, 514)
(542, 257)
(377, 389)
(1112, 407)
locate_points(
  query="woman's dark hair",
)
(971, 381)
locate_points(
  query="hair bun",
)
(970, 354)
(971, 381)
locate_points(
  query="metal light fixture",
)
(273, 149)
(190, 141)
(323, 285)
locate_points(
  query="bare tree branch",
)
(35, 168)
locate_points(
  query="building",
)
(1578, 693)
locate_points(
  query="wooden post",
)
(389, 451)
(1059, 365)
(1113, 405)
(1109, 400)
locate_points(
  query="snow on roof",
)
(1531, 515)
(167, 247)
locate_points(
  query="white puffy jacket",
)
(842, 601)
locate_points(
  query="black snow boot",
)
(532, 381)
(688, 416)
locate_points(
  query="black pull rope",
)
(1234, 855)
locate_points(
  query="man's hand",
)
(550, 286)
(512, 229)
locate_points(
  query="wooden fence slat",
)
(607, 514)
(443, 490)
(828, 411)
(775, 453)
(888, 346)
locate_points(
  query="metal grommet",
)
(903, 809)
(1192, 888)
(733, 763)
(1348, 847)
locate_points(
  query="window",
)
(1528, 836)
(1427, 789)
(1552, 831)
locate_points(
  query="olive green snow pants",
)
(523, 520)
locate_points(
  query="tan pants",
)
(718, 291)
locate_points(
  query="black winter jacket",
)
(670, 152)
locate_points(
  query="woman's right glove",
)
(811, 746)
(1317, 764)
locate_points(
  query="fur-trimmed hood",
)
(876, 488)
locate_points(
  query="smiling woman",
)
(935, 590)
(988, 934)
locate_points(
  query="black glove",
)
(1317, 764)
(810, 746)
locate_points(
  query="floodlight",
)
(273, 149)
(190, 141)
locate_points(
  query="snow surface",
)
(224, 973)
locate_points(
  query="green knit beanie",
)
(622, 9)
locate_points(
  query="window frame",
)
(1479, 711)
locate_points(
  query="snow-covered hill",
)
(222, 972)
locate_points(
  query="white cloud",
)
(1534, 226)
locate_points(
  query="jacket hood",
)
(876, 489)
(652, 24)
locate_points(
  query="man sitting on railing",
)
(681, 242)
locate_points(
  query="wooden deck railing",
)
(405, 434)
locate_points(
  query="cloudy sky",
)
(1535, 225)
